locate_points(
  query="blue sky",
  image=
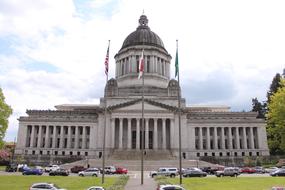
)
(52, 52)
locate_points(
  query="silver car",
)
(170, 187)
(45, 186)
(90, 172)
(96, 188)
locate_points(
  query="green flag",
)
(176, 63)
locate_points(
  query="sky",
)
(52, 51)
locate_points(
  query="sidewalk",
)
(134, 182)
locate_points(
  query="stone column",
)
(84, 137)
(138, 135)
(76, 137)
(113, 132)
(230, 138)
(129, 133)
(172, 133)
(244, 138)
(32, 140)
(215, 138)
(200, 138)
(146, 133)
(251, 138)
(69, 137)
(54, 137)
(223, 138)
(61, 144)
(208, 138)
(47, 137)
(39, 143)
(237, 138)
(121, 133)
(163, 134)
(155, 134)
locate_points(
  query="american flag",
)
(107, 61)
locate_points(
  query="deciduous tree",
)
(276, 116)
(5, 112)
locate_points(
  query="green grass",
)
(226, 183)
(69, 183)
(229, 183)
(2, 168)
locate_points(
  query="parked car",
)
(32, 171)
(271, 169)
(110, 170)
(194, 173)
(247, 170)
(259, 169)
(90, 172)
(120, 170)
(170, 187)
(279, 172)
(60, 172)
(11, 167)
(96, 188)
(51, 168)
(171, 172)
(209, 170)
(231, 171)
(76, 169)
(45, 186)
(22, 167)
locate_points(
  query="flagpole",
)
(179, 117)
(105, 113)
(142, 127)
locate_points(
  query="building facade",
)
(77, 130)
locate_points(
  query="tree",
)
(275, 85)
(5, 112)
(258, 107)
(276, 119)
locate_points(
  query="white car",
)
(51, 168)
(170, 187)
(45, 186)
(96, 188)
(271, 169)
(90, 172)
(171, 172)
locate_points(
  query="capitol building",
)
(77, 129)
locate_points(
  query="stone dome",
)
(143, 36)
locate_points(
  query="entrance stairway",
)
(136, 155)
(132, 161)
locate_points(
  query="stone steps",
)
(135, 165)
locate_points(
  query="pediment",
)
(149, 105)
(138, 106)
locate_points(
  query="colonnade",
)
(126, 133)
(223, 138)
(153, 64)
(71, 137)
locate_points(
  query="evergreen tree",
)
(5, 112)
(275, 85)
(258, 107)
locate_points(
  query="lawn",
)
(229, 183)
(69, 183)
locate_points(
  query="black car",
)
(279, 172)
(11, 168)
(194, 173)
(61, 172)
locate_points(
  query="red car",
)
(248, 170)
(121, 170)
(76, 169)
